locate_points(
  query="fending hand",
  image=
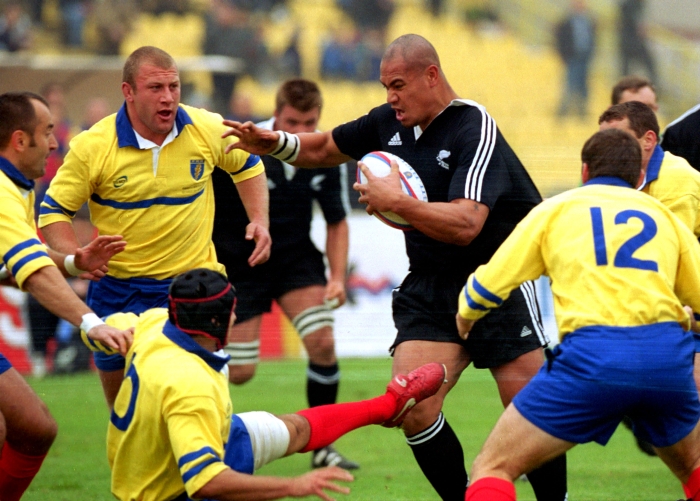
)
(464, 326)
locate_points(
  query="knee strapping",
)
(312, 319)
(243, 353)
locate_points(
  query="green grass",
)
(76, 468)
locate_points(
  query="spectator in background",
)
(229, 32)
(95, 110)
(113, 20)
(339, 59)
(635, 88)
(575, 41)
(15, 28)
(369, 14)
(289, 63)
(633, 39)
(73, 14)
(240, 108)
(54, 94)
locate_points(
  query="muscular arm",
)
(48, 286)
(337, 242)
(256, 200)
(60, 236)
(457, 222)
(318, 149)
(232, 486)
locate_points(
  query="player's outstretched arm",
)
(313, 149)
(232, 486)
(89, 262)
(48, 286)
(251, 138)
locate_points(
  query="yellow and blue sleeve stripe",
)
(51, 206)
(25, 258)
(191, 464)
(475, 301)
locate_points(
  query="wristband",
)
(69, 264)
(287, 147)
(4, 272)
(90, 320)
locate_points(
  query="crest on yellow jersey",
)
(196, 169)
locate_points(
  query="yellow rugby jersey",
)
(21, 250)
(172, 415)
(672, 181)
(615, 257)
(161, 199)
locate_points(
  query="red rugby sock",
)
(17, 471)
(330, 422)
(692, 486)
(490, 489)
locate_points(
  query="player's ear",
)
(584, 173)
(127, 91)
(642, 175)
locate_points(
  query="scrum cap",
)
(201, 302)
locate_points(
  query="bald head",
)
(414, 50)
(145, 55)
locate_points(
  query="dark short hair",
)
(145, 55)
(640, 116)
(201, 302)
(17, 113)
(615, 153)
(301, 94)
(632, 83)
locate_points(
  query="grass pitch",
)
(76, 468)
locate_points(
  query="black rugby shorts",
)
(425, 305)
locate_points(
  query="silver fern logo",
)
(442, 156)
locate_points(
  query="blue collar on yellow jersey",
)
(654, 166)
(184, 341)
(15, 175)
(125, 132)
(608, 180)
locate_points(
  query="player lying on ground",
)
(622, 266)
(177, 425)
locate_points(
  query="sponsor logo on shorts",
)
(525, 332)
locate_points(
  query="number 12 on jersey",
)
(624, 257)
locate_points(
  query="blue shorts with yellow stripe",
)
(133, 295)
(599, 374)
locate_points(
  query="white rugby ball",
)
(379, 164)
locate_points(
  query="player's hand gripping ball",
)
(379, 164)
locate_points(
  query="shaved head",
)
(414, 50)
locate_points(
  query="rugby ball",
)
(379, 164)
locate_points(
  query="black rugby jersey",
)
(461, 154)
(291, 206)
(682, 137)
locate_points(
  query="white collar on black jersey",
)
(417, 131)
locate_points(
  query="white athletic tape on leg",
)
(243, 353)
(312, 319)
(269, 436)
